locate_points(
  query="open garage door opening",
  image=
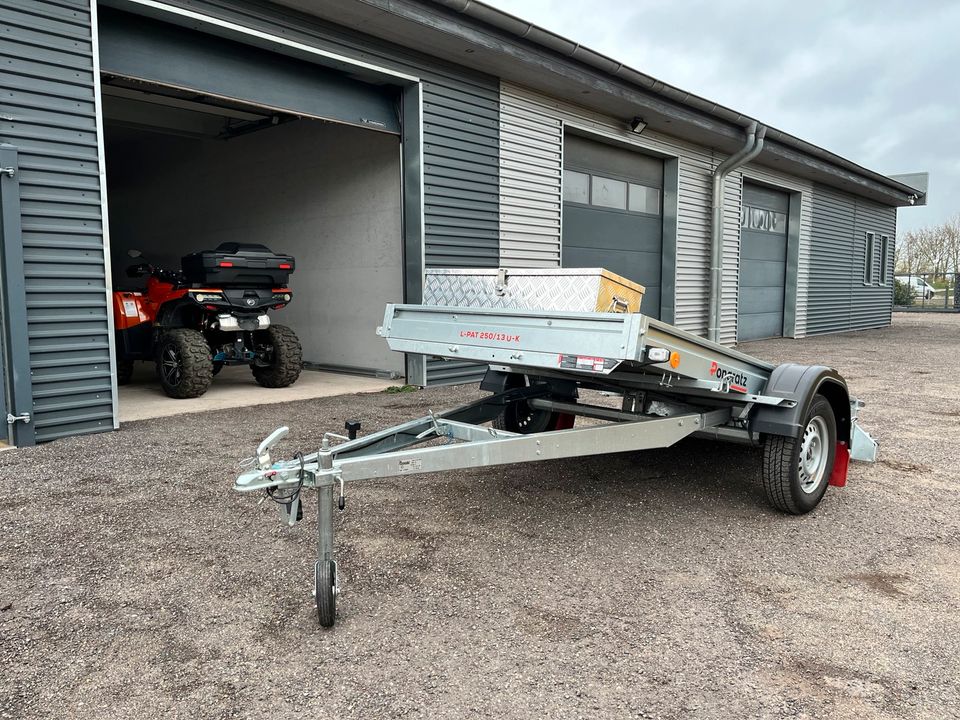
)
(188, 173)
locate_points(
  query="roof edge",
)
(523, 29)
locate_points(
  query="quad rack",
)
(671, 384)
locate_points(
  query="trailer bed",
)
(613, 348)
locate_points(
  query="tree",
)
(930, 250)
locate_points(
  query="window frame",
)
(884, 277)
(869, 253)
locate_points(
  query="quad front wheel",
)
(279, 357)
(184, 363)
(796, 470)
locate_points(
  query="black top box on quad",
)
(211, 313)
(238, 264)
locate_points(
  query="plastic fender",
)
(802, 383)
(179, 311)
(128, 310)
(495, 381)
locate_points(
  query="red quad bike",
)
(212, 313)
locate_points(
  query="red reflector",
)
(284, 266)
(226, 264)
(841, 459)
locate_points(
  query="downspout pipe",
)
(751, 148)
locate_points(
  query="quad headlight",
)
(282, 297)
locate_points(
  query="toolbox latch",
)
(501, 286)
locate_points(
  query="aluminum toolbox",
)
(570, 289)
(235, 264)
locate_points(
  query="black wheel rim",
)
(170, 366)
(523, 416)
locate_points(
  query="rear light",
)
(225, 263)
(284, 266)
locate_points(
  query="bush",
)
(902, 293)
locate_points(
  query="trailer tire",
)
(287, 359)
(796, 470)
(325, 589)
(184, 363)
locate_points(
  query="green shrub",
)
(902, 293)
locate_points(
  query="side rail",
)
(595, 342)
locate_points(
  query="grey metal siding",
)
(531, 154)
(838, 299)
(460, 139)
(49, 114)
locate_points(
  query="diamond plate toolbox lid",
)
(569, 289)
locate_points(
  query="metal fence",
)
(927, 291)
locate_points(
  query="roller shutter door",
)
(144, 49)
(612, 200)
(763, 263)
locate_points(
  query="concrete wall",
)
(327, 194)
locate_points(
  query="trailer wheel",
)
(184, 363)
(282, 348)
(796, 471)
(325, 589)
(519, 417)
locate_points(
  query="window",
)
(576, 187)
(610, 193)
(644, 199)
(868, 260)
(884, 259)
(754, 218)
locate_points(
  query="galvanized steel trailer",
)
(671, 385)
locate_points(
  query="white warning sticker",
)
(410, 465)
(130, 308)
(589, 363)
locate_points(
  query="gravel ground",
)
(135, 584)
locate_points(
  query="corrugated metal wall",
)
(461, 137)
(531, 172)
(49, 114)
(838, 299)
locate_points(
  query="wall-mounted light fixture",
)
(638, 125)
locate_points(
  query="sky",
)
(875, 81)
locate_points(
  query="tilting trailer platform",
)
(670, 384)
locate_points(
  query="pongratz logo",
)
(736, 378)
